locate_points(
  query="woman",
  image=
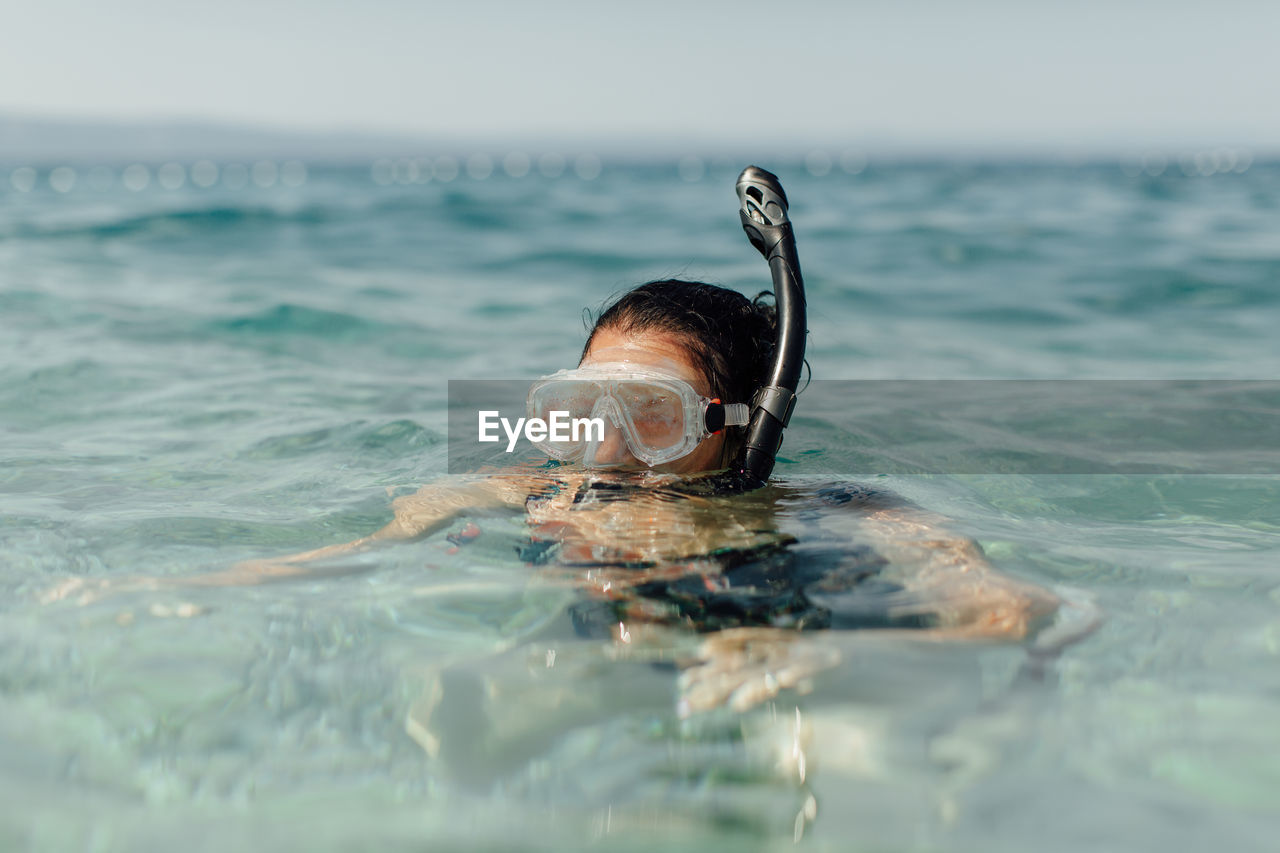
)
(681, 544)
(640, 532)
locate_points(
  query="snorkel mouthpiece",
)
(763, 206)
(763, 211)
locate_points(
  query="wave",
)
(355, 440)
(179, 223)
(290, 319)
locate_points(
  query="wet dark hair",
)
(729, 337)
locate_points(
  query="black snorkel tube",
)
(764, 218)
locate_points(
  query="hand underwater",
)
(742, 667)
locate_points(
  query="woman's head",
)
(722, 341)
(728, 337)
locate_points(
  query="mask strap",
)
(719, 415)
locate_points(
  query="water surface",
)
(197, 376)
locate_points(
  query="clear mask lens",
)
(656, 415)
(657, 418)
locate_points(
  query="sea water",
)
(193, 375)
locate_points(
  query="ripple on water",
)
(392, 440)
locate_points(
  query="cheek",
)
(710, 454)
(707, 457)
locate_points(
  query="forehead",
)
(646, 349)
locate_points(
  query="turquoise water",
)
(195, 376)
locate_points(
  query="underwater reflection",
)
(695, 622)
(887, 729)
(687, 654)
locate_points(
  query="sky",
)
(922, 73)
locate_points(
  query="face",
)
(664, 352)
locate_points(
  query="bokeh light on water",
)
(136, 177)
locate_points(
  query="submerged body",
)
(659, 558)
(697, 553)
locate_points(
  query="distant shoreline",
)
(41, 140)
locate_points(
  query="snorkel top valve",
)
(763, 210)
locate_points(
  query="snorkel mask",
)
(658, 415)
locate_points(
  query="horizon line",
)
(173, 135)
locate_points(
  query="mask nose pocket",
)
(612, 450)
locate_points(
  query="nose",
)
(612, 451)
